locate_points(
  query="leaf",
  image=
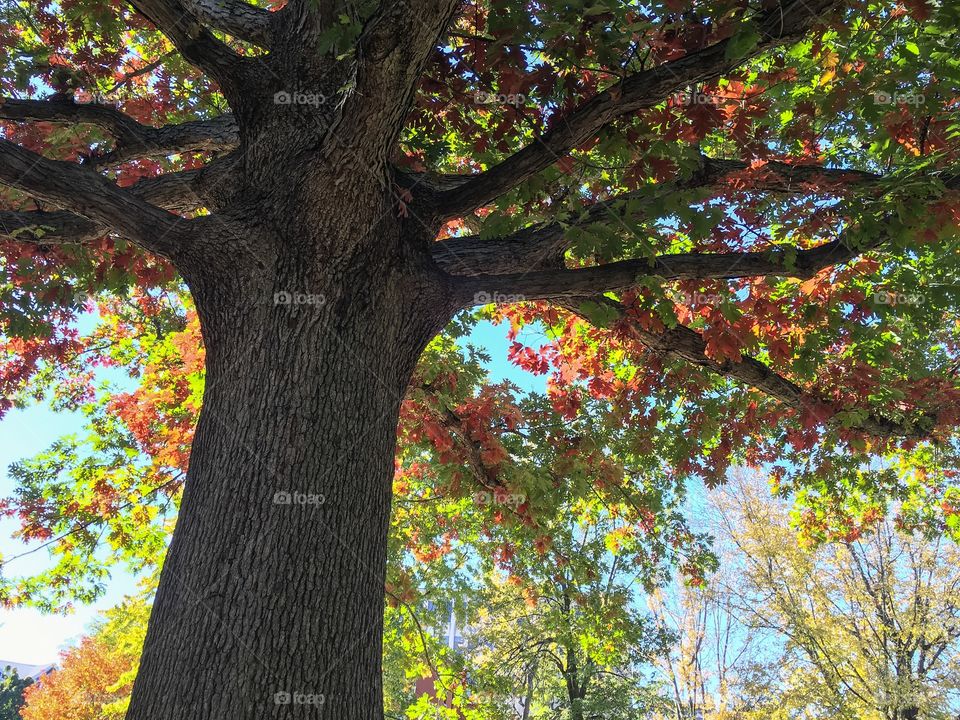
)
(743, 41)
(599, 314)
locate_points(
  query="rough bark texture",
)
(316, 298)
(278, 603)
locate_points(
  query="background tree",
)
(560, 630)
(94, 678)
(295, 168)
(12, 687)
(544, 561)
(871, 624)
(718, 666)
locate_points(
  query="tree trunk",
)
(270, 602)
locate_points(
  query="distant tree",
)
(544, 531)
(12, 687)
(562, 634)
(717, 667)
(94, 679)
(871, 623)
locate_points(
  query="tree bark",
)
(270, 602)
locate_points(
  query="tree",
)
(684, 167)
(571, 646)
(12, 687)
(719, 667)
(557, 628)
(871, 624)
(94, 678)
(542, 565)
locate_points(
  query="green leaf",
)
(743, 41)
(599, 314)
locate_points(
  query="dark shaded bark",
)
(261, 599)
(316, 298)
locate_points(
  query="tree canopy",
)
(722, 233)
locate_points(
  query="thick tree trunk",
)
(271, 597)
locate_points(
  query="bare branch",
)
(86, 193)
(133, 139)
(235, 17)
(682, 343)
(784, 22)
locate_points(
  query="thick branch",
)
(583, 282)
(235, 17)
(784, 22)
(217, 134)
(59, 108)
(86, 193)
(538, 247)
(180, 192)
(391, 55)
(48, 228)
(133, 139)
(685, 344)
(188, 190)
(194, 41)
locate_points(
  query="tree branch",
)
(682, 343)
(188, 190)
(179, 192)
(86, 193)
(48, 228)
(215, 134)
(537, 248)
(391, 54)
(133, 139)
(540, 247)
(235, 17)
(583, 282)
(194, 41)
(141, 71)
(785, 22)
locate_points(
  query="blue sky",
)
(26, 635)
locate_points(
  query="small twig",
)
(148, 68)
